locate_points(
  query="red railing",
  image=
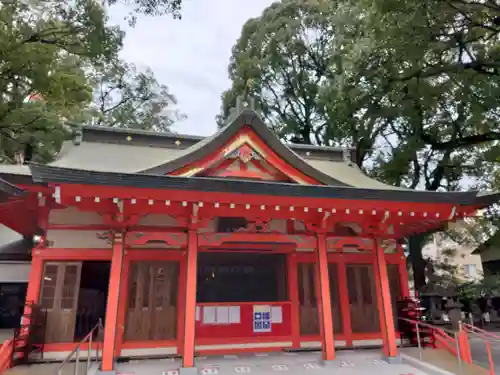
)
(487, 337)
(455, 342)
(6, 355)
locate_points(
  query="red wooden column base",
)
(325, 308)
(385, 305)
(190, 306)
(110, 327)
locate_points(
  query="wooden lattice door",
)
(395, 287)
(152, 301)
(335, 298)
(362, 298)
(309, 321)
(59, 298)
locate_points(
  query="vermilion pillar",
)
(110, 327)
(325, 307)
(190, 304)
(34, 284)
(384, 302)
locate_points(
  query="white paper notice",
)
(223, 315)
(276, 314)
(209, 315)
(234, 315)
(198, 313)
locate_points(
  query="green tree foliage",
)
(414, 88)
(66, 55)
(44, 47)
(126, 97)
(149, 8)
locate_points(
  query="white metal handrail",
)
(98, 328)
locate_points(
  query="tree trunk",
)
(416, 244)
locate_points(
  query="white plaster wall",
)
(73, 216)
(278, 225)
(299, 225)
(158, 220)
(14, 272)
(210, 228)
(71, 239)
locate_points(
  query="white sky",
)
(191, 55)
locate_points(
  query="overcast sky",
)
(191, 55)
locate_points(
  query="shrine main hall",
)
(189, 246)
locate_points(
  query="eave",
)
(43, 174)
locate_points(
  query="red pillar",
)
(325, 307)
(110, 327)
(345, 306)
(34, 284)
(190, 302)
(384, 302)
(293, 296)
(122, 306)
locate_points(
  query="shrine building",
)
(237, 242)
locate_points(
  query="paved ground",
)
(358, 362)
(480, 354)
(445, 360)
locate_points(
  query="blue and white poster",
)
(262, 318)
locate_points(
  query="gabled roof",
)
(249, 118)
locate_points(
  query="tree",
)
(44, 47)
(150, 8)
(414, 89)
(65, 56)
(126, 97)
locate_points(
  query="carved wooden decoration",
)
(338, 243)
(177, 240)
(257, 226)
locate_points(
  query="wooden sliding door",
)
(362, 298)
(59, 299)
(335, 299)
(152, 301)
(309, 320)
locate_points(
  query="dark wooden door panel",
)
(309, 321)
(362, 298)
(395, 288)
(335, 299)
(152, 301)
(59, 298)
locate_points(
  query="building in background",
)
(489, 253)
(443, 250)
